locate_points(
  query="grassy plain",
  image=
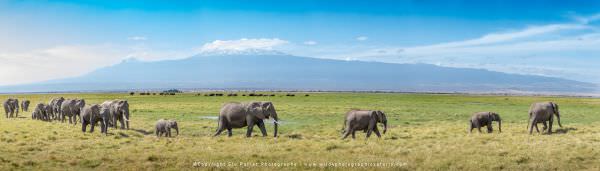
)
(427, 132)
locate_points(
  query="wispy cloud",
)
(362, 38)
(243, 44)
(310, 42)
(56, 62)
(137, 38)
(566, 50)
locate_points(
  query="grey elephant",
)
(41, 112)
(91, 115)
(239, 115)
(38, 112)
(55, 104)
(363, 120)
(543, 112)
(119, 111)
(71, 108)
(164, 127)
(481, 119)
(11, 106)
(25, 105)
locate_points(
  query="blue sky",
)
(44, 40)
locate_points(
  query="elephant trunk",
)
(275, 124)
(126, 117)
(499, 125)
(558, 117)
(384, 127)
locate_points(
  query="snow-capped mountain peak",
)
(223, 52)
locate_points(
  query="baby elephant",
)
(164, 127)
(481, 119)
(364, 120)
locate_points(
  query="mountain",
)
(278, 71)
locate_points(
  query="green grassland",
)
(426, 132)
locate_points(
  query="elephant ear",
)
(382, 116)
(256, 110)
(375, 115)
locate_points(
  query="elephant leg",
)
(346, 133)
(157, 134)
(83, 125)
(545, 126)
(249, 131)
(479, 129)
(550, 123)
(219, 130)
(122, 121)
(92, 127)
(532, 123)
(376, 130)
(229, 132)
(353, 134)
(470, 127)
(536, 127)
(261, 126)
(490, 129)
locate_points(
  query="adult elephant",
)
(239, 115)
(481, 119)
(365, 120)
(119, 111)
(76, 110)
(11, 106)
(91, 115)
(71, 108)
(25, 105)
(55, 104)
(543, 112)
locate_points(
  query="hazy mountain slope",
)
(279, 71)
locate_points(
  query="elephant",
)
(365, 120)
(76, 111)
(238, 115)
(41, 112)
(164, 127)
(71, 108)
(481, 119)
(25, 105)
(119, 111)
(542, 112)
(91, 115)
(11, 106)
(55, 104)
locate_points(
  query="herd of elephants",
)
(245, 114)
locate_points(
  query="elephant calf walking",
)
(365, 120)
(481, 119)
(164, 127)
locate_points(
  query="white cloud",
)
(509, 36)
(137, 38)
(362, 38)
(56, 62)
(310, 42)
(243, 44)
(586, 19)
